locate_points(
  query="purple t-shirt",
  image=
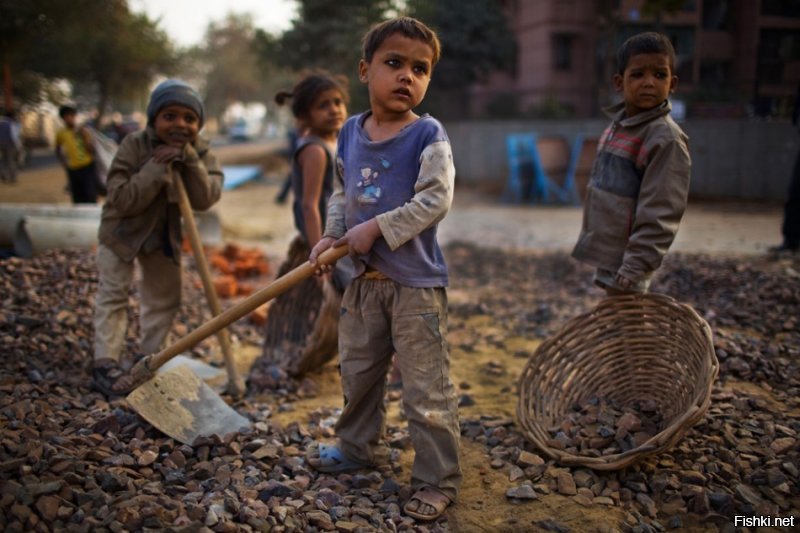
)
(379, 177)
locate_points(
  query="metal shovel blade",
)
(212, 376)
(183, 407)
(203, 370)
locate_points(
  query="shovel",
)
(180, 404)
(235, 385)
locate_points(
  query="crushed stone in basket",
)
(599, 426)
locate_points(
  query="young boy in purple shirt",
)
(394, 183)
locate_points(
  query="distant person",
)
(639, 186)
(791, 211)
(394, 184)
(300, 334)
(286, 187)
(141, 221)
(75, 151)
(10, 147)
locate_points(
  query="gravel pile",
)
(742, 459)
(72, 460)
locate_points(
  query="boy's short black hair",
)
(407, 26)
(645, 43)
(67, 109)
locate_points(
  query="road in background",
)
(250, 214)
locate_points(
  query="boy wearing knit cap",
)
(141, 221)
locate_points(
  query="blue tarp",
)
(236, 175)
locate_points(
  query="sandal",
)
(109, 379)
(330, 459)
(425, 498)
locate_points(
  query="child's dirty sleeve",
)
(433, 196)
(660, 206)
(131, 185)
(335, 225)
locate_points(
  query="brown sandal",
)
(109, 379)
(428, 496)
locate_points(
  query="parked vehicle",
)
(245, 130)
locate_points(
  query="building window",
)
(715, 73)
(562, 51)
(775, 49)
(781, 8)
(716, 14)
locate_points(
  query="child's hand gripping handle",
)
(147, 366)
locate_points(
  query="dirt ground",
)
(250, 216)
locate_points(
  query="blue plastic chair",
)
(522, 150)
(569, 190)
(519, 148)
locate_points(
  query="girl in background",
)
(319, 105)
(301, 331)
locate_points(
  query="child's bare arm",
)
(660, 206)
(312, 160)
(334, 225)
(433, 195)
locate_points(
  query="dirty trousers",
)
(380, 317)
(160, 290)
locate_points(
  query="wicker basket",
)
(629, 348)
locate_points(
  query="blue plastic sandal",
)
(330, 459)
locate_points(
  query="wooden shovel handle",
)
(153, 362)
(235, 384)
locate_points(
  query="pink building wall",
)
(537, 23)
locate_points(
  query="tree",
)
(275, 74)
(120, 56)
(658, 8)
(476, 40)
(328, 35)
(117, 58)
(24, 26)
(230, 64)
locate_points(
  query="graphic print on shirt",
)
(370, 190)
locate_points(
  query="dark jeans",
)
(791, 211)
(83, 184)
(8, 162)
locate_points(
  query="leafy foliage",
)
(328, 35)
(656, 8)
(476, 40)
(98, 44)
(475, 36)
(24, 28)
(231, 63)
